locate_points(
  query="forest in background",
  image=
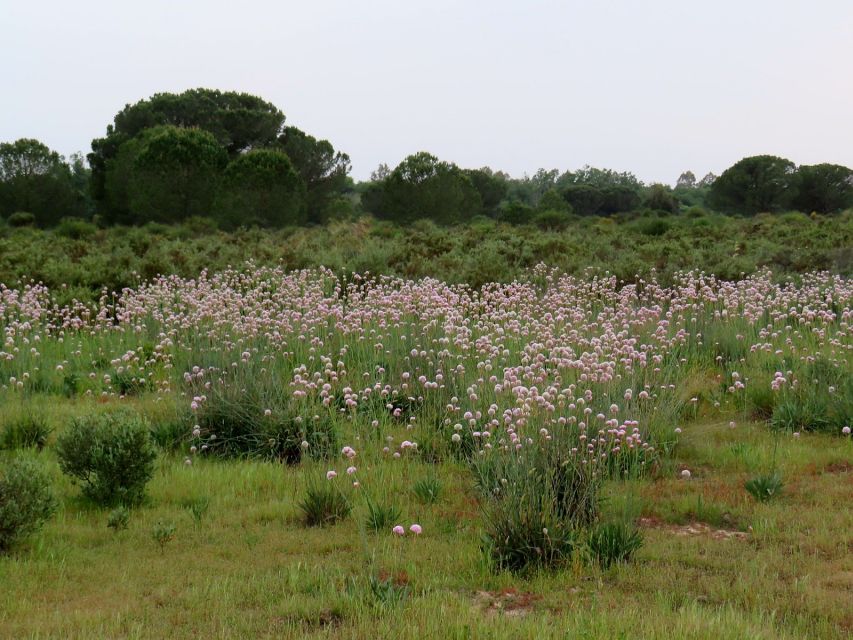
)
(230, 159)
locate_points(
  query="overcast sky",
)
(650, 86)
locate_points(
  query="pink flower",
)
(398, 530)
(416, 529)
(351, 470)
(331, 474)
(846, 431)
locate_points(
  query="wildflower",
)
(416, 529)
(678, 430)
(456, 437)
(351, 470)
(331, 474)
(685, 474)
(398, 530)
(846, 431)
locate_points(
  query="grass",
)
(340, 408)
(250, 568)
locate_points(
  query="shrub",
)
(163, 533)
(613, 542)
(111, 455)
(764, 487)
(26, 501)
(118, 519)
(324, 504)
(552, 220)
(380, 517)
(76, 229)
(24, 432)
(21, 219)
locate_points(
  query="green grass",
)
(250, 568)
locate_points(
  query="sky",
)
(655, 87)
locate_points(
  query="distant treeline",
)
(229, 157)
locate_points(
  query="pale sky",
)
(650, 86)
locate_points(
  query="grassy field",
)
(433, 396)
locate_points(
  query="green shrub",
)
(552, 220)
(26, 501)
(25, 431)
(21, 219)
(76, 229)
(613, 542)
(118, 519)
(163, 533)
(324, 504)
(111, 455)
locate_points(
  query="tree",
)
(261, 187)
(380, 173)
(825, 188)
(323, 170)
(422, 186)
(551, 200)
(707, 180)
(686, 180)
(585, 199)
(599, 178)
(165, 174)
(755, 184)
(37, 180)
(237, 121)
(491, 187)
(659, 198)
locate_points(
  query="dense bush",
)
(26, 500)
(112, 455)
(718, 245)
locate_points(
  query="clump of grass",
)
(427, 490)
(613, 542)
(388, 591)
(197, 507)
(24, 432)
(324, 504)
(381, 517)
(765, 487)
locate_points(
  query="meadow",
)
(541, 452)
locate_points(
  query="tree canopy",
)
(261, 188)
(755, 184)
(37, 180)
(422, 186)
